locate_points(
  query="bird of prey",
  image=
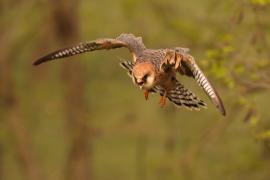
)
(153, 70)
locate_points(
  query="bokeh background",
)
(82, 118)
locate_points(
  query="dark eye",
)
(145, 77)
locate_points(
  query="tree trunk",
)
(65, 14)
(15, 123)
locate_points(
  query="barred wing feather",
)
(189, 62)
(81, 48)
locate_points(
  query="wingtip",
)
(223, 113)
(36, 63)
(43, 60)
(222, 109)
(219, 103)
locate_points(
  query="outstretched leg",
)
(162, 100)
(146, 93)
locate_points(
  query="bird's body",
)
(152, 70)
(155, 57)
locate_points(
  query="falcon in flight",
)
(153, 70)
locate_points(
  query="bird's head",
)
(144, 75)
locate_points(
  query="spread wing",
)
(82, 48)
(189, 67)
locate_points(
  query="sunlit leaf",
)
(227, 49)
(254, 76)
(243, 101)
(263, 135)
(230, 83)
(260, 2)
(219, 71)
(239, 69)
(213, 54)
(253, 121)
(227, 38)
(262, 63)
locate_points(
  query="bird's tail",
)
(179, 95)
(128, 65)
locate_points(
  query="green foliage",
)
(260, 2)
(264, 135)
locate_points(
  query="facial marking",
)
(144, 75)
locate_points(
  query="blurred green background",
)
(82, 118)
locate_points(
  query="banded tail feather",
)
(182, 96)
(128, 65)
(205, 85)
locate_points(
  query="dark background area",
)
(82, 118)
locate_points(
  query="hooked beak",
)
(140, 83)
